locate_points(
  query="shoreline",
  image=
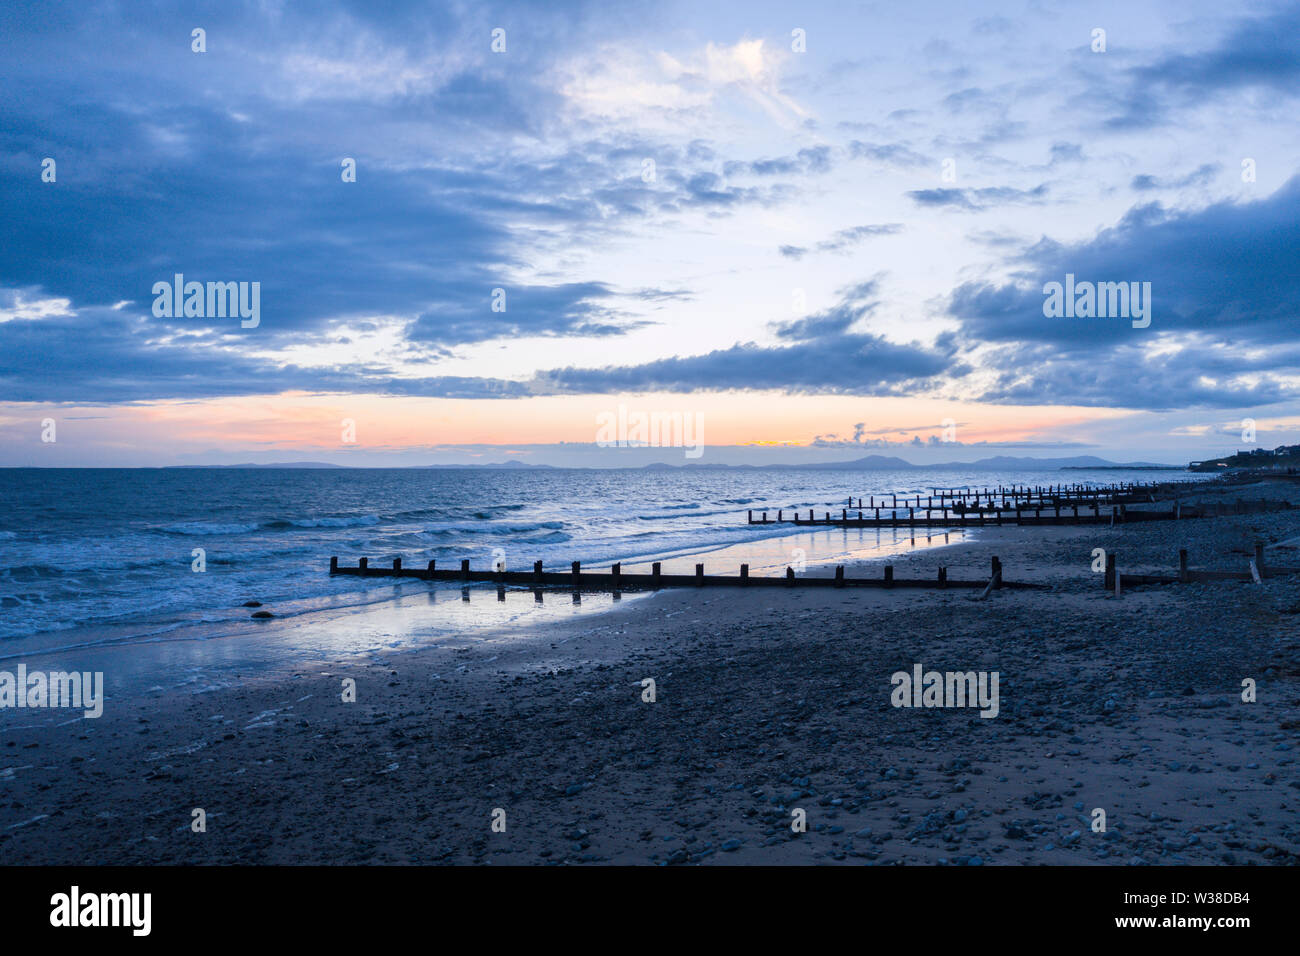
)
(765, 702)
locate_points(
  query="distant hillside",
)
(285, 464)
(998, 463)
(1277, 459)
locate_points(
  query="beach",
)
(537, 745)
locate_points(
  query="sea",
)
(98, 556)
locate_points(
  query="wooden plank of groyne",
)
(620, 580)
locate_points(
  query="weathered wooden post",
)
(397, 564)
(744, 575)
(844, 515)
(997, 572)
(334, 565)
(889, 575)
(943, 577)
(1109, 582)
(780, 516)
(654, 574)
(789, 576)
(537, 570)
(464, 568)
(699, 575)
(618, 572)
(363, 565)
(751, 516)
(1182, 565)
(839, 575)
(428, 572)
(577, 573)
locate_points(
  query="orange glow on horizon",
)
(303, 423)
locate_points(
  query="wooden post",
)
(1109, 582)
(334, 565)
(577, 573)
(699, 575)
(618, 571)
(397, 564)
(943, 577)
(751, 516)
(889, 575)
(433, 564)
(839, 575)
(464, 568)
(844, 515)
(1182, 565)
(997, 572)
(779, 516)
(744, 575)
(789, 576)
(654, 572)
(363, 565)
(537, 570)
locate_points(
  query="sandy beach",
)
(766, 702)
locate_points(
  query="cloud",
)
(974, 200)
(1225, 296)
(844, 239)
(1260, 53)
(823, 356)
(1200, 176)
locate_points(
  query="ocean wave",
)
(208, 527)
(346, 521)
(496, 529)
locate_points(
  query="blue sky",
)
(836, 244)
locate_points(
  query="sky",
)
(807, 232)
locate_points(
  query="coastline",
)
(765, 702)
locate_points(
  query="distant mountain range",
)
(998, 463)
(869, 463)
